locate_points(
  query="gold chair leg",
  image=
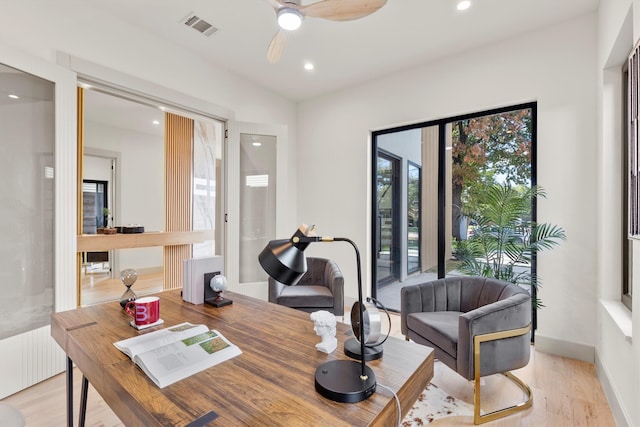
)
(481, 419)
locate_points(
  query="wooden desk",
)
(271, 383)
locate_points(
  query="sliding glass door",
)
(422, 216)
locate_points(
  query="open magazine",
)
(176, 352)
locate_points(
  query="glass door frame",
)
(414, 166)
(285, 218)
(395, 246)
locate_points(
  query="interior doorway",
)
(95, 215)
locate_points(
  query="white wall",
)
(618, 357)
(556, 68)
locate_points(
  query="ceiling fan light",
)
(289, 19)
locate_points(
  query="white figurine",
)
(325, 327)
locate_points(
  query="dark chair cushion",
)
(440, 326)
(305, 296)
(320, 288)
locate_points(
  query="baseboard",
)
(619, 414)
(572, 350)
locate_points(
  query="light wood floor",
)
(566, 394)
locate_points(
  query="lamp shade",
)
(284, 260)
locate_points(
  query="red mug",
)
(146, 310)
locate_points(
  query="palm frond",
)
(505, 237)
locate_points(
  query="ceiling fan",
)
(291, 13)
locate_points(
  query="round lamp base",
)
(340, 381)
(352, 349)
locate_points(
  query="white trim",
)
(619, 414)
(620, 315)
(39, 355)
(116, 82)
(562, 348)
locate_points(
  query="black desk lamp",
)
(339, 380)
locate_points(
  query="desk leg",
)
(83, 401)
(69, 392)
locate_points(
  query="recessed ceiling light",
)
(308, 66)
(156, 122)
(464, 4)
(12, 96)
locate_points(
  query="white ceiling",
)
(402, 34)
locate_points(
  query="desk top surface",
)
(270, 383)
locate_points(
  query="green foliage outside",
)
(487, 150)
(505, 240)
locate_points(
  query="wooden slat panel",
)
(178, 192)
(173, 260)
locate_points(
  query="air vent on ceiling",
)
(200, 25)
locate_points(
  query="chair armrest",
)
(275, 289)
(504, 315)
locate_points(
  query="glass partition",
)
(26, 201)
(258, 172)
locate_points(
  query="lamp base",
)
(352, 349)
(339, 380)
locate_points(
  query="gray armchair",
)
(321, 288)
(477, 327)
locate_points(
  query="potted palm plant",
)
(506, 239)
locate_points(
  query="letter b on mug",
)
(144, 310)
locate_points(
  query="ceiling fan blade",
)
(342, 10)
(275, 4)
(276, 47)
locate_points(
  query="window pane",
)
(488, 152)
(257, 202)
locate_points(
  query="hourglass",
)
(128, 277)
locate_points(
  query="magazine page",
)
(180, 359)
(136, 345)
